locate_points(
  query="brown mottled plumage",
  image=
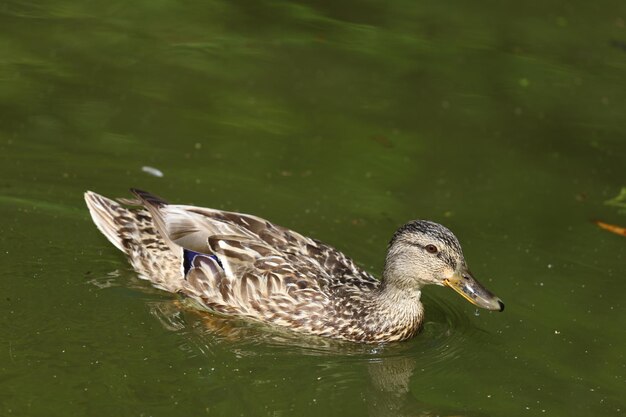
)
(242, 265)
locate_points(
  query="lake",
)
(504, 121)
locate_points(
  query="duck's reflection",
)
(389, 379)
(390, 391)
(388, 386)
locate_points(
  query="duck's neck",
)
(399, 287)
(399, 310)
(392, 297)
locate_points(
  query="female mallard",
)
(242, 265)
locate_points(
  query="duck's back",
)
(236, 264)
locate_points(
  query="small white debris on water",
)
(549, 266)
(477, 313)
(557, 332)
(152, 171)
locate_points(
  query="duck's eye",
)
(431, 249)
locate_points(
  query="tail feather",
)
(106, 214)
(149, 198)
(154, 205)
(135, 233)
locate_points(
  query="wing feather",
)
(264, 271)
(230, 233)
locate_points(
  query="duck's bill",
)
(473, 291)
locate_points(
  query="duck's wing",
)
(192, 227)
(269, 289)
(243, 264)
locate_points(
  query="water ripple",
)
(442, 339)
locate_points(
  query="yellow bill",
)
(473, 291)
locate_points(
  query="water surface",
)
(504, 121)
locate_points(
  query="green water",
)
(342, 120)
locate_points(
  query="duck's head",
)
(423, 252)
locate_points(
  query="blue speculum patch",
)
(189, 256)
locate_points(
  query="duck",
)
(243, 266)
